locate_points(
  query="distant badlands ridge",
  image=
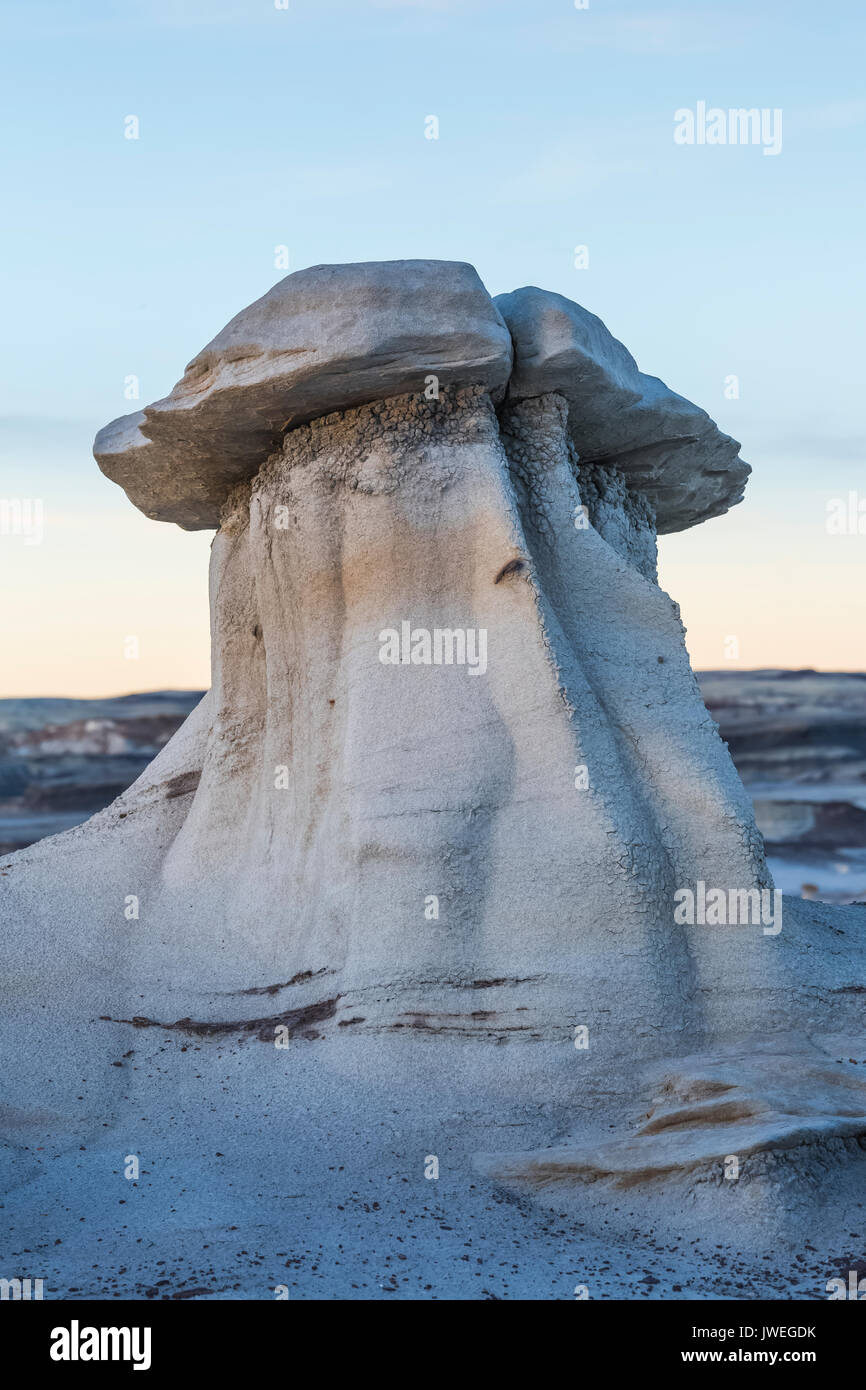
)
(798, 739)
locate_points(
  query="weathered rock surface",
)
(438, 873)
(331, 337)
(669, 449)
(743, 1104)
(321, 340)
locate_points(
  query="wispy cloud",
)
(671, 32)
(832, 115)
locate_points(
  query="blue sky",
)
(304, 127)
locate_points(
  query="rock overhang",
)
(667, 447)
(332, 337)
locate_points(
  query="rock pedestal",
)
(442, 809)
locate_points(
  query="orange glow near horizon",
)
(790, 595)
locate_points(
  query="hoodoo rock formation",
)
(460, 888)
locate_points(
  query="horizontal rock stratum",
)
(335, 336)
